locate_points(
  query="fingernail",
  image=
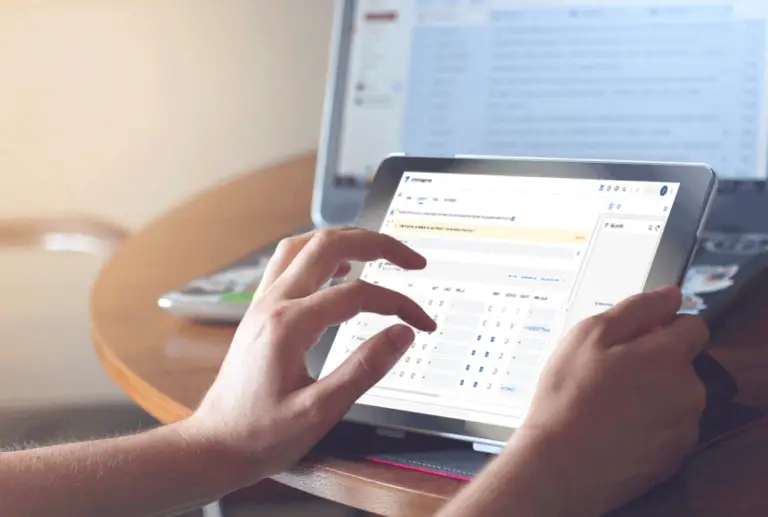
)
(401, 335)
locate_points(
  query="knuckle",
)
(381, 353)
(326, 237)
(360, 287)
(288, 246)
(276, 318)
(596, 328)
(356, 293)
(385, 353)
(362, 368)
(312, 405)
(578, 333)
(390, 351)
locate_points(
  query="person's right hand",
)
(616, 410)
(618, 404)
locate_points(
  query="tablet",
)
(518, 251)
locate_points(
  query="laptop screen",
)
(670, 80)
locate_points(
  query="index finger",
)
(321, 256)
(285, 252)
(337, 304)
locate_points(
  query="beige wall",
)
(123, 108)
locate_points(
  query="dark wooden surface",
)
(166, 364)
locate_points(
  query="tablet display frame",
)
(697, 183)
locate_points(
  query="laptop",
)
(678, 80)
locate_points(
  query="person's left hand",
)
(263, 405)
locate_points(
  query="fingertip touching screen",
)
(513, 263)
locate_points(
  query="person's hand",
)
(617, 406)
(616, 410)
(263, 405)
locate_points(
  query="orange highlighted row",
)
(552, 235)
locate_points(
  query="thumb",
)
(363, 369)
(642, 313)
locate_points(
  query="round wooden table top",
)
(166, 363)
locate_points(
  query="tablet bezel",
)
(697, 182)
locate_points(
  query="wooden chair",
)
(79, 234)
(32, 283)
(71, 233)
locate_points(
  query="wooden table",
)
(166, 364)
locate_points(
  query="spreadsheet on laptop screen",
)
(674, 80)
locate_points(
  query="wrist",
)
(532, 477)
(225, 464)
(548, 478)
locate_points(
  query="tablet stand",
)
(477, 447)
(486, 448)
(390, 433)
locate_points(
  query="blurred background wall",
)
(121, 109)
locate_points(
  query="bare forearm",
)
(158, 473)
(523, 482)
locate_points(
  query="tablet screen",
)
(513, 263)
